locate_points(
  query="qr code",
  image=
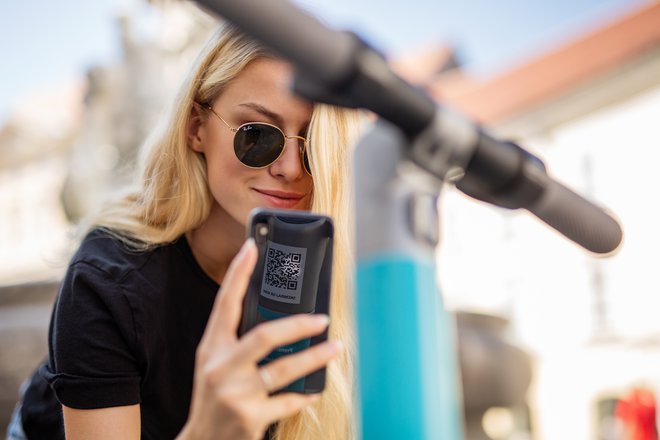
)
(282, 269)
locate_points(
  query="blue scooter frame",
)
(407, 367)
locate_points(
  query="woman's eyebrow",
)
(264, 111)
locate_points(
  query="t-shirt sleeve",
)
(92, 340)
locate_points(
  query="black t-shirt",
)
(124, 330)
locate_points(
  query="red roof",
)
(555, 72)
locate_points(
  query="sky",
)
(45, 43)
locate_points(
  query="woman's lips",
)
(280, 199)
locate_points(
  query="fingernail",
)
(248, 243)
(321, 319)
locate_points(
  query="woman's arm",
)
(119, 422)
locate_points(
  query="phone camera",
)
(261, 232)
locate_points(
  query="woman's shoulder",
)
(113, 253)
(111, 262)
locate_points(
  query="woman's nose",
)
(289, 165)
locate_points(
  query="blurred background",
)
(554, 343)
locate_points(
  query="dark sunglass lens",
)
(306, 162)
(258, 145)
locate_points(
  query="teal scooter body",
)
(408, 379)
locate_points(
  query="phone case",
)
(292, 275)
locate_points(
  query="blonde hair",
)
(173, 197)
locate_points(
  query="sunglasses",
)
(259, 144)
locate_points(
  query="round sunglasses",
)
(259, 144)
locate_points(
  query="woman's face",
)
(260, 93)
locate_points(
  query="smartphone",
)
(292, 275)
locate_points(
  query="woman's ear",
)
(193, 133)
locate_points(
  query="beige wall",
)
(510, 264)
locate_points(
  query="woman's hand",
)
(231, 392)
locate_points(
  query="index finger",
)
(226, 313)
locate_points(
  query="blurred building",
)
(68, 148)
(590, 108)
(34, 145)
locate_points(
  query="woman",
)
(139, 343)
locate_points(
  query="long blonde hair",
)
(173, 197)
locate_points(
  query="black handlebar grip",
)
(577, 218)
